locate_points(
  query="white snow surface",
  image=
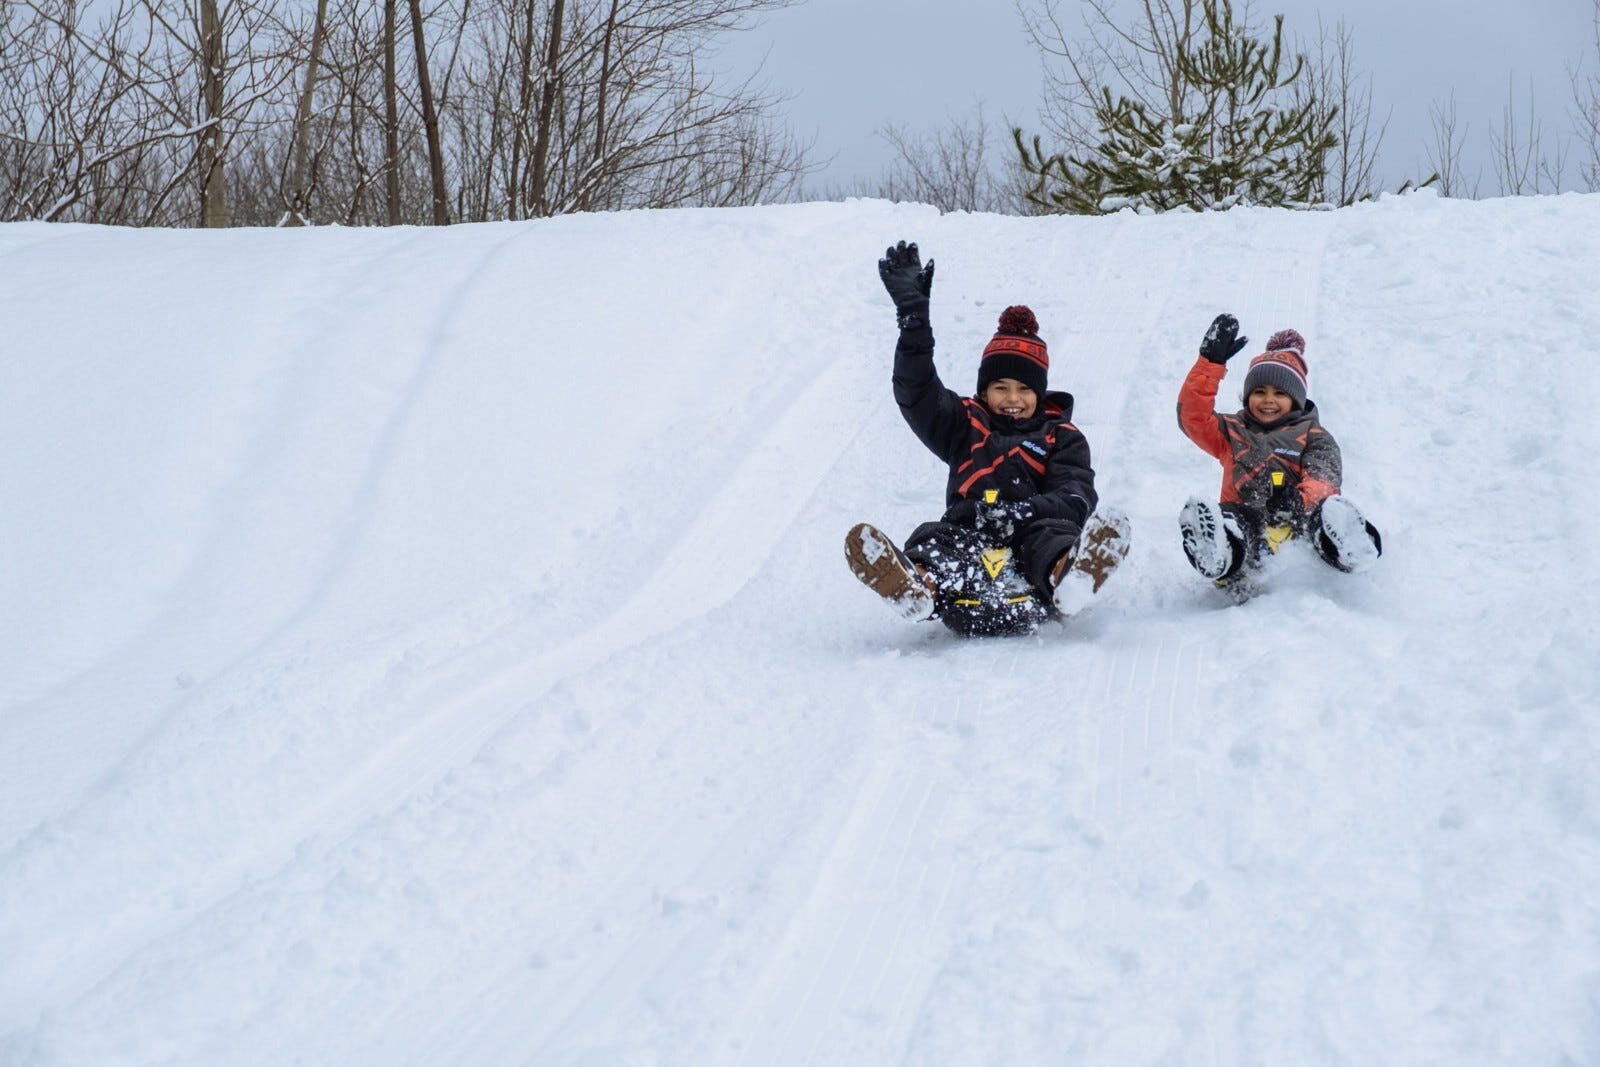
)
(435, 647)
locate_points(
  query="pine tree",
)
(1230, 141)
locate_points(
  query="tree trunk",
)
(605, 77)
(391, 117)
(213, 184)
(298, 193)
(539, 199)
(519, 131)
(430, 120)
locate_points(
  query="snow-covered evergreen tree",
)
(1234, 134)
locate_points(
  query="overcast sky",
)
(854, 65)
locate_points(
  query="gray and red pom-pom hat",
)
(1283, 365)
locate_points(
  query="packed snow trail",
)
(438, 649)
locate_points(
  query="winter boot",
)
(1212, 541)
(1344, 538)
(884, 569)
(1079, 574)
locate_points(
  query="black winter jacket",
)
(1043, 458)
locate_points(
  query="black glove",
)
(962, 512)
(908, 283)
(1222, 341)
(1002, 520)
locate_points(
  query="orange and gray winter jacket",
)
(1043, 458)
(1285, 469)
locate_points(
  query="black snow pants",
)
(1253, 523)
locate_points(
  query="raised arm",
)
(1197, 400)
(934, 413)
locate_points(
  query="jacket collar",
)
(1304, 415)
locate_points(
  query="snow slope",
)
(434, 647)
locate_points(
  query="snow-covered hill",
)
(434, 647)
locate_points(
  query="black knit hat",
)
(1283, 365)
(1016, 352)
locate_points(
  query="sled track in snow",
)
(678, 591)
(466, 700)
(268, 854)
(463, 703)
(857, 947)
(96, 678)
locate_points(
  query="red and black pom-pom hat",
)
(1015, 352)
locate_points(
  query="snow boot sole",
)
(884, 569)
(1353, 540)
(1205, 541)
(1102, 546)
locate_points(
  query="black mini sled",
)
(985, 595)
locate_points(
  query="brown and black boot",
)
(883, 568)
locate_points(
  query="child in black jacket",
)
(1020, 475)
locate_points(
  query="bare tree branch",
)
(1522, 166)
(1586, 104)
(1444, 153)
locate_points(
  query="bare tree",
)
(212, 134)
(391, 119)
(953, 167)
(205, 112)
(430, 118)
(607, 106)
(226, 54)
(364, 138)
(543, 133)
(1136, 57)
(1444, 152)
(1586, 104)
(70, 120)
(300, 172)
(1335, 84)
(128, 118)
(367, 71)
(1522, 165)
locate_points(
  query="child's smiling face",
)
(1009, 397)
(1268, 403)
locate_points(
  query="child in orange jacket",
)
(1280, 468)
